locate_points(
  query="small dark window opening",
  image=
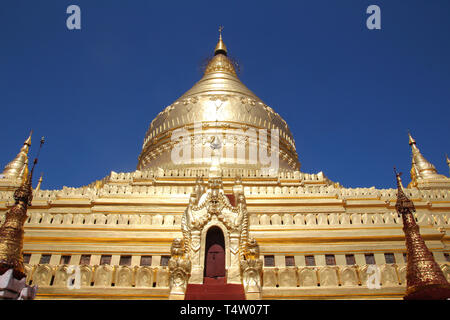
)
(105, 259)
(85, 259)
(370, 258)
(269, 261)
(125, 260)
(389, 257)
(350, 259)
(146, 260)
(165, 260)
(64, 260)
(45, 258)
(330, 260)
(290, 261)
(310, 261)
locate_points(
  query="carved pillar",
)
(251, 271)
(197, 268)
(233, 273)
(180, 270)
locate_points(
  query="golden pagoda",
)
(218, 198)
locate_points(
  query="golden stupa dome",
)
(219, 104)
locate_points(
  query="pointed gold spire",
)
(420, 168)
(16, 167)
(221, 48)
(424, 278)
(411, 139)
(12, 229)
(28, 141)
(38, 187)
(220, 62)
(403, 202)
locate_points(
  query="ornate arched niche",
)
(210, 209)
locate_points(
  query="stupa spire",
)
(220, 62)
(424, 277)
(38, 187)
(12, 229)
(411, 139)
(221, 48)
(16, 167)
(421, 168)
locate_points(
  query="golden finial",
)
(402, 200)
(28, 141)
(221, 48)
(38, 187)
(14, 169)
(411, 139)
(399, 180)
(220, 62)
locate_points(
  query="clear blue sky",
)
(349, 94)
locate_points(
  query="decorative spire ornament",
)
(425, 279)
(12, 230)
(16, 167)
(421, 168)
(221, 48)
(38, 187)
(221, 62)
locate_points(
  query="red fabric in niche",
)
(215, 289)
(215, 261)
